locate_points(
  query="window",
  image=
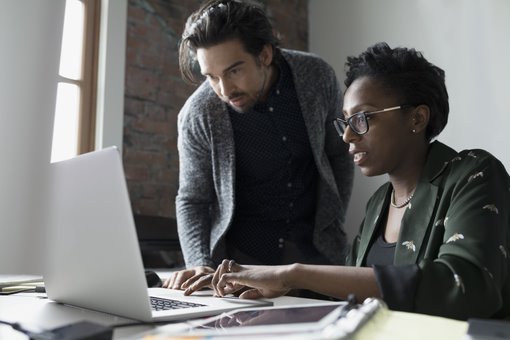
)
(74, 125)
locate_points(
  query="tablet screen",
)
(273, 316)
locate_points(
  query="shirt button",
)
(277, 91)
(289, 185)
(291, 204)
(281, 240)
(284, 138)
(280, 245)
(287, 221)
(271, 109)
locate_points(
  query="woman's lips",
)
(359, 156)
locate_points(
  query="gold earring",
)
(414, 131)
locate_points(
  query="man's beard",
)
(251, 105)
(244, 109)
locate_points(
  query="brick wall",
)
(155, 92)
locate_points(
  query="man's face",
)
(236, 76)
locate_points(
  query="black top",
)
(276, 176)
(381, 252)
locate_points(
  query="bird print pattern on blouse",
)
(459, 237)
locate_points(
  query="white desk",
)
(37, 313)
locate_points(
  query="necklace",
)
(401, 205)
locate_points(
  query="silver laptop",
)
(94, 258)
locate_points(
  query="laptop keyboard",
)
(159, 304)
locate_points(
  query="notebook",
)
(94, 259)
(323, 320)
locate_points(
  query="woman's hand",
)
(255, 281)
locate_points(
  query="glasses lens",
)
(358, 122)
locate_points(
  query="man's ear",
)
(266, 55)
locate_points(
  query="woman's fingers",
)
(251, 294)
(226, 267)
(228, 283)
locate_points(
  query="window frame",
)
(88, 101)
(88, 83)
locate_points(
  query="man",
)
(263, 177)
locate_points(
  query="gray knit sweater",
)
(206, 196)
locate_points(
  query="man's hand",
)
(183, 279)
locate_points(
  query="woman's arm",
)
(335, 281)
(273, 281)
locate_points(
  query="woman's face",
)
(384, 148)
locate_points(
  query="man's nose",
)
(225, 87)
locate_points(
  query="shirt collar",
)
(439, 156)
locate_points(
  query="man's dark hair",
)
(409, 76)
(217, 21)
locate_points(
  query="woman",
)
(435, 238)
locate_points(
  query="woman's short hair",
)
(408, 75)
(217, 21)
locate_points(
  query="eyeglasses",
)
(358, 122)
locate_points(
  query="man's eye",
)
(234, 71)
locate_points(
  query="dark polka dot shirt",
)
(276, 176)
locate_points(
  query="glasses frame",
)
(341, 124)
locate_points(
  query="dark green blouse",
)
(451, 257)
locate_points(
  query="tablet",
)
(285, 319)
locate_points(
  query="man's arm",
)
(196, 190)
(337, 150)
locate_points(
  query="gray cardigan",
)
(206, 197)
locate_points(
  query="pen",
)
(15, 289)
(35, 287)
(258, 302)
